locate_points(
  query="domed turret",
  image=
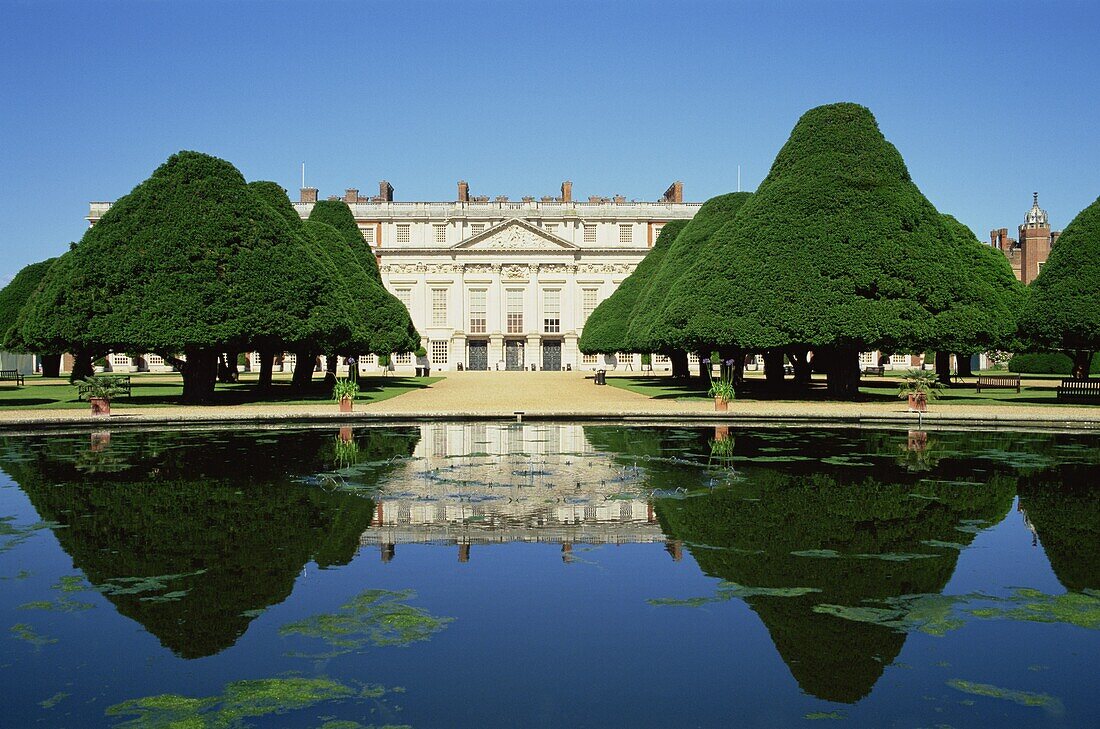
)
(1036, 217)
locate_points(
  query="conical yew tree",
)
(189, 264)
(605, 332)
(337, 214)
(13, 298)
(1063, 311)
(837, 250)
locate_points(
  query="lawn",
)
(1036, 390)
(164, 390)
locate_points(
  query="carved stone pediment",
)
(516, 235)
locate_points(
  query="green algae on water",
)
(729, 590)
(53, 700)
(239, 701)
(373, 618)
(63, 604)
(1023, 698)
(818, 715)
(26, 633)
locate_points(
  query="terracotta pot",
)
(345, 434)
(721, 403)
(918, 402)
(345, 404)
(100, 405)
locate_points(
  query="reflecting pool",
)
(543, 575)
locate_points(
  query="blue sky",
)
(987, 101)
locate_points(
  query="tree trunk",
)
(1082, 359)
(331, 361)
(773, 367)
(304, 362)
(842, 378)
(962, 364)
(704, 366)
(200, 374)
(679, 359)
(231, 365)
(51, 365)
(82, 366)
(800, 361)
(267, 365)
(943, 368)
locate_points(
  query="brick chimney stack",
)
(385, 191)
(351, 195)
(567, 191)
(674, 193)
(308, 195)
(463, 191)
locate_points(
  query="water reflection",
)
(194, 534)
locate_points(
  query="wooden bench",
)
(12, 376)
(880, 371)
(991, 382)
(122, 382)
(1080, 391)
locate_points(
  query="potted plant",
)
(919, 387)
(721, 389)
(422, 366)
(344, 391)
(101, 390)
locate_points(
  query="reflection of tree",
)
(1065, 512)
(227, 510)
(758, 524)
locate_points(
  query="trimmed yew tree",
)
(13, 298)
(337, 214)
(189, 264)
(983, 316)
(1063, 310)
(605, 332)
(837, 251)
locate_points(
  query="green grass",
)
(872, 389)
(164, 390)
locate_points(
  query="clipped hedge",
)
(1048, 363)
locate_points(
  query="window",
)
(404, 296)
(660, 358)
(588, 358)
(440, 350)
(404, 358)
(551, 311)
(477, 311)
(626, 234)
(551, 228)
(657, 231)
(154, 360)
(368, 234)
(402, 233)
(515, 311)
(693, 359)
(440, 233)
(477, 228)
(589, 233)
(439, 307)
(588, 303)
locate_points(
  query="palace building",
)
(496, 284)
(1028, 253)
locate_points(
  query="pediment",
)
(516, 235)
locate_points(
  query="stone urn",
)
(100, 405)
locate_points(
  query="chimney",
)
(674, 193)
(463, 191)
(567, 191)
(618, 199)
(308, 195)
(385, 191)
(351, 195)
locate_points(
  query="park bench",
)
(990, 382)
(12, 376)
(122, 382)
(1080, 391)
(880, 370)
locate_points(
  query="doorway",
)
(513, 354)
(551, 355)
(478, 356)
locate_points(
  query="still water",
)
(539, 575)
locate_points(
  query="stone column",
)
(532, 354)
(458, 351)
(570, 355)
(496, 350)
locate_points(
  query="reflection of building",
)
(489, 483)
(1030, 252)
